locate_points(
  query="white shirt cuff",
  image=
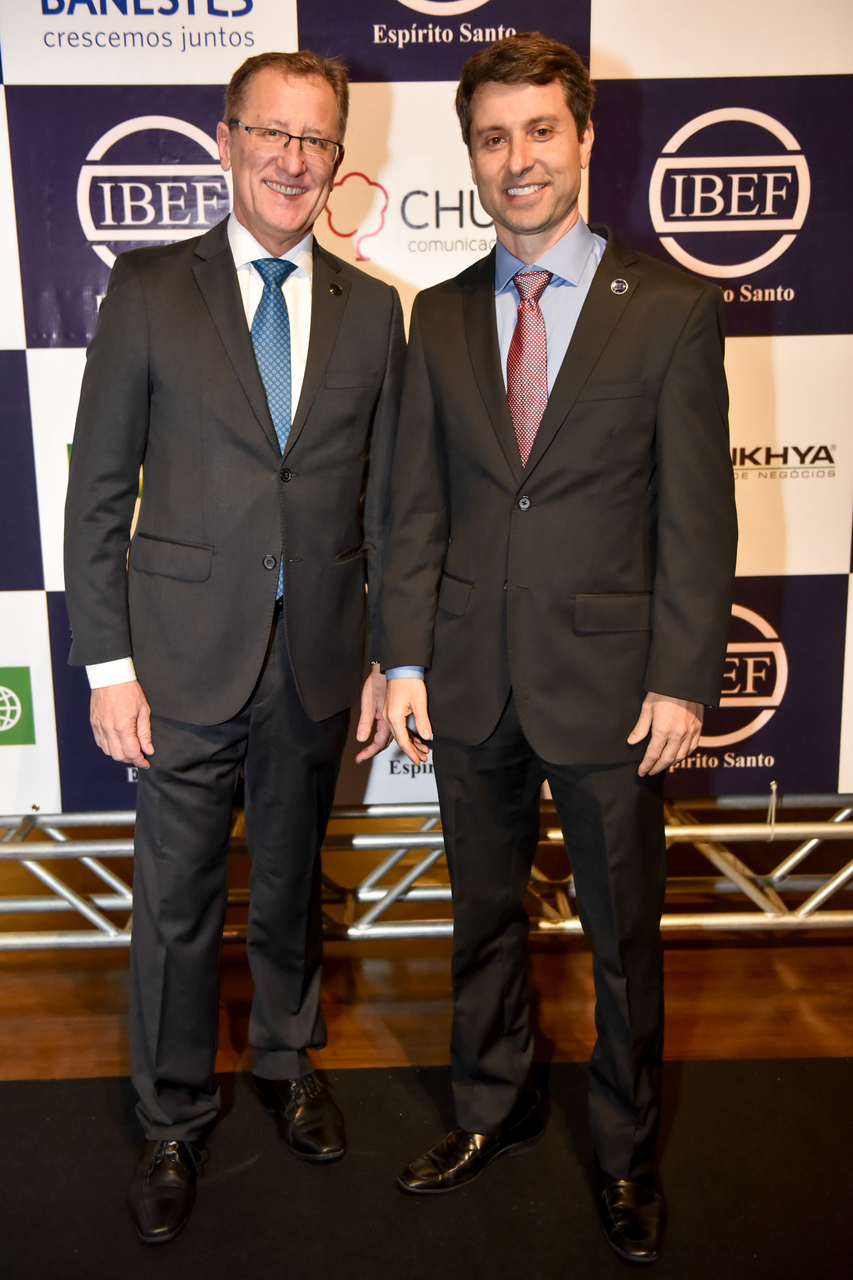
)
(120, 671)
(404, 673)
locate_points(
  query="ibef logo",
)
(731, 201)
(443, 8)
(755, 678)
(17, 723)
(157, 200)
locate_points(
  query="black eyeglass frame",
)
(291, 137)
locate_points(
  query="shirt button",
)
(270, 562)
(524, 504)
(286, 475)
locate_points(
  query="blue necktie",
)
(271, 340)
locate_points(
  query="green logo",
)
(17, 723)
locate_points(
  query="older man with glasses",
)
(252, 374)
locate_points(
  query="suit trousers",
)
(613, 827)
(290, 765)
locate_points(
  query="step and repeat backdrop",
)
(723, 138)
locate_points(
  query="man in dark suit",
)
(560, 562)
(253, 375)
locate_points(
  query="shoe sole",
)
(330, 1158)
(514, 1148)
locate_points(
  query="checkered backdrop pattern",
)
(722, 137)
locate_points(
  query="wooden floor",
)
(388, 1004)
(64, 1013)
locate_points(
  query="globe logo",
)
(10, 708)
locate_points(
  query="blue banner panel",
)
(430, 39)
(98, 170)
(738, 180)
(20, 540)
(90, 781)
(779, 718)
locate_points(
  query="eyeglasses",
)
(269, 141)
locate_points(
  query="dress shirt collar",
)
(565, 260)
(245, 249)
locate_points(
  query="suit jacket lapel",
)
(600, 314)
(329, 296)
(217, 280)
(481, 331)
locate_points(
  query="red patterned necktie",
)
(527, 362)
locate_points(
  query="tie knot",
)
(530, 284)
(274, 271)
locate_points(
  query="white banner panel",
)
(54, 375)
(791, 449)
(29, 766)
(402, 211)
(671, 38)
(138, 41)
(12, 311)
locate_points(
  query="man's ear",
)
(586, 140)
(223, 142)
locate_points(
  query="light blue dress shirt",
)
(572, 261)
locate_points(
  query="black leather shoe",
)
(633, 1215)
(461, 1156)
(162, 1192)
(308, 1120)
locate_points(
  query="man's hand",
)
(121, 722)
(404, 697)
(372, 700)
(675, 728)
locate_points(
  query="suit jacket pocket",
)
(342, 379)
(353, 553)
(613, 390)
(187, 561)
(625, 611)
(453, 595)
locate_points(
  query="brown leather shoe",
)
(461, 1157)
(162, 1192)
(308, 1120)
(633, 1215)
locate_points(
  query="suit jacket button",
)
(270, 562)
(286, 475)
(524, 504)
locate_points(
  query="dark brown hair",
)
(526, 58)
(303, 63)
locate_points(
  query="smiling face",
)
(526, 160)
(279, 197)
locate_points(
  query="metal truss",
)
(408, 870)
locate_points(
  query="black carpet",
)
(757, 1164)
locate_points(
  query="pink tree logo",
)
(356, 210)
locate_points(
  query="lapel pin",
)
(337, 290)
(619, 285)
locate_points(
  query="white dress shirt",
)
(297, 294)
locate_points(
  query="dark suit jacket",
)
(171, 382)
(601, 570)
